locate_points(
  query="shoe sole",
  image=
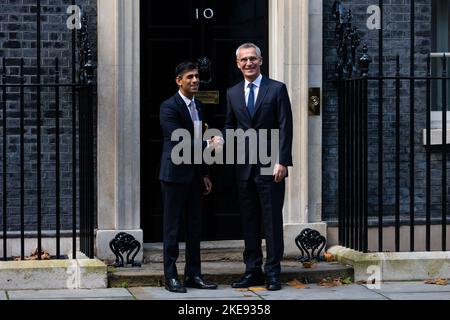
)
(277, 289)
(251, 285)
(175, 291)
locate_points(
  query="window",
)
(440, 44)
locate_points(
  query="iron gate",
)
(30, 103)
(377, 178)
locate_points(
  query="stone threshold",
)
(224, 273)
(230, 250)
(394, 266)
(204, 245)
(53, 274)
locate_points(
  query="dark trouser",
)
(177, 199)
(261, 204)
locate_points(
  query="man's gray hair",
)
(249, 45)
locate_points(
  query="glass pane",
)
(441, 36)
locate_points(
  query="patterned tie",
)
(193, 111)
(251, 100)
(195, 120)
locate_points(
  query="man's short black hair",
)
(183, 67)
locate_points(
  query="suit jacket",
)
(174, 115)
(272, 111)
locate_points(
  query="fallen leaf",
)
(257, 289)
(328, 282)
(438, 281)
(34, 256)
(347, 280)
(297, 284)
(325, 282)
(337, 282)
(329, 257)
(308, 265)
(242, 290)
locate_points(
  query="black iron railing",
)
(27, 94)
(398, 151)
(353, 157)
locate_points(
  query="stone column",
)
(118, 150)
(289, 42)
(315, 122)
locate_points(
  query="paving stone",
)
(315, 292)
(419, 296)
(80, 294)
(222, 293)
(410, 287)
(3, 295)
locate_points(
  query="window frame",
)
(440, 44)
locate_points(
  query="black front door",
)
(200, 30)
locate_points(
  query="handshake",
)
(216, 143)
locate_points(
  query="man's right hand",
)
(216, 143)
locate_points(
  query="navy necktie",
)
(251, 100)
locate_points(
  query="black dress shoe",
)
(273, 283)
(174, 285)
(199, 283)
(250, 279)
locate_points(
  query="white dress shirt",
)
(257, 84)
(188, 102)
(197, 124)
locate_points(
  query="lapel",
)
(184, 111)
(264, 87)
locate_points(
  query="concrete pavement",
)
(386, 291)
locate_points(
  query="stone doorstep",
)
(223, 272)
(53, 274)
(211, 251)
(395, 266)
(156, 256)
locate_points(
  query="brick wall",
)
(18, 40)
(396, 30)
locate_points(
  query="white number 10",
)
(208, 13)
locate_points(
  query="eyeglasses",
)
(251, 59)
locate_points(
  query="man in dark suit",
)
(182, 184)
(259, 103)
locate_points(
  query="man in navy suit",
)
(259, 103)
(182, 184)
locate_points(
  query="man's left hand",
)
(279, 173)
(208, 185)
